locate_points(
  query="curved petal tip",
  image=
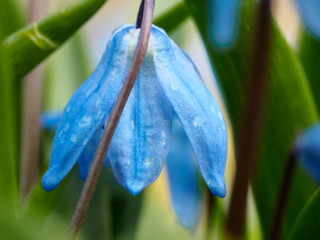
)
(49, 182)
(218, 187)
(134, 187)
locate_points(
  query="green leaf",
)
(172, 18)
(309, 51)
(290, 107)
(8, 142)
(29, 46)
(308, 222)
(10, 16)
(27, 228)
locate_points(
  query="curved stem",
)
(283, 196)
(91, 181)
(251, 122)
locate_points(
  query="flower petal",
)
(89, 106)
(51, 119)
(183, 178)
(86, 158)
(224, 21)
(141, 142)
(308, 149)
(310, 12)
(197, 110)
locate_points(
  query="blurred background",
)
(114, 213)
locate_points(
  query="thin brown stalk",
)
(283, 195)
(95, 170)
(248, 141)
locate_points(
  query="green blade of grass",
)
(29, 46)
(172, 18)
(308, 222)
(11, 17)
(10, 20)
(309, 52)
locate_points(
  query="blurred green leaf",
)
(8, 142)
(308, 222)
(28, 228)
(290, 107)
(10, 17)
(172, 18)
(29, 46)
(309, 51)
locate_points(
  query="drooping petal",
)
(89, 106)
(224, 21)
(141, 142)
(197, 110)
(183, 178)
(308, 150)
(86, 158)
(310, 12)
(51, 119)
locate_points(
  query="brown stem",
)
(283, 196)
(251, 121)
(30, 137)
(90, 184)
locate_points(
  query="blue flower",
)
(183, 175)
(183, 178)
(224, 21)
(168, 84)
(308, 150)
(310, 12)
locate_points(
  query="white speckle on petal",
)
(149, 160)
(213, 109)
(197, 122)
(85, 141)
(74, 138)
(66, 127)
(220, 116)
(132, 125)
(68, 109)
(98, 102)
(85, 122)
(163, 138)
(100, 114)
(173, 86)
(60, 134)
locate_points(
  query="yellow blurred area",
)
(157, 215)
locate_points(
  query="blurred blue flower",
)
(167, 84)
(310, 14)
(183, 178)
(224, 21)
(308, 150)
